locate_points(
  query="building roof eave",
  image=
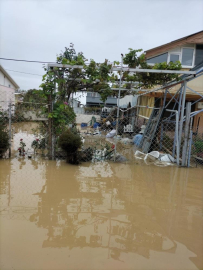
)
(193, 38)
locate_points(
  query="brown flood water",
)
(99, 216)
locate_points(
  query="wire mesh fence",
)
(98, 135)
(197, 148)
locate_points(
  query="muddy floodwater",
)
(99, 216)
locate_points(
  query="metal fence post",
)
(190, 143)
(182, 112)
(53, 131)
(118, 107)
(176, 137)
(186, 134)
(9, 127)
(177, 141)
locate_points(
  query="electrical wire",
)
(24, 72)
(29, 61)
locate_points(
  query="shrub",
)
(70, 142)
(39, 144)
(4, 141)
(198, 147)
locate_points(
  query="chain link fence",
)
(103, 136)
(197, 149)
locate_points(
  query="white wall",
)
(79, 110)
(6, 95)
(5, 81)
(123, 103)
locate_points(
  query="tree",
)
(142, 79)
(100, 77)
(60, 83)
(33, 96)
(92, 77)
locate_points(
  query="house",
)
(128, 101)
(77, 106)
(19, 95)
(7, 89)
(189, 51)
(93, 99)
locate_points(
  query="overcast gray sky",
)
(101, 29)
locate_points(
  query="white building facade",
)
(7, 89)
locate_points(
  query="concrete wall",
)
(85, 118)
(32, 115)
(79, 110)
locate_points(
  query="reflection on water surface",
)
(99, 216)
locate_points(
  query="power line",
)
(29, 61)
(24, 72)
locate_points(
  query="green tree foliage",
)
(95, 77)
(148, 80)
(62, 115)
(91, 77)
(33, 96)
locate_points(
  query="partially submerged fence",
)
(31, 132)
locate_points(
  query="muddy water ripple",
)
(99, 216)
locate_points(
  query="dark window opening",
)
(199, 54)
(158, 59)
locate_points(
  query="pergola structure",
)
(179, 97)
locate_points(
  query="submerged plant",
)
(70, 142)
(38, 144)
(4, 141)
(21, 148)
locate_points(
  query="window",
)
(173, 57)
(158, 59)
(199, 54)
(187, 57)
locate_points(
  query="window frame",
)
(151, 64)
(193, 60)
(169, 53)
(180, 56)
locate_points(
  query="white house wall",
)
(5, 81)
(6, 95)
